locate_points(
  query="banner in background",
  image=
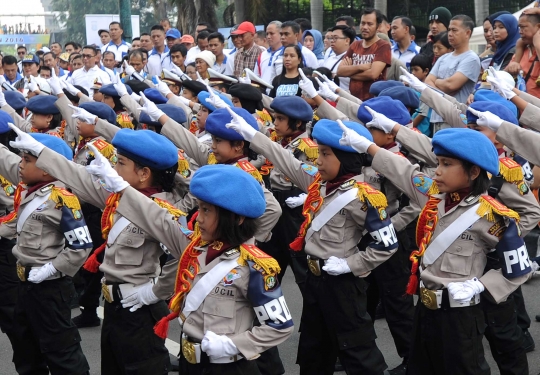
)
(25, 39)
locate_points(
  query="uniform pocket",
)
(219, 315)
(128, 252)
(30, 235)
(334, 229)
(458, 258)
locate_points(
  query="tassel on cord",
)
(510, 170)
(256, 255)
(433, 189)
(92, 264)
(211, 159)
(490, 206)
(162, 326)
(308, 147)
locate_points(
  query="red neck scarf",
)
(215, 249)
(150, 191)
(36, 187)
(336, 182)
(452, 199)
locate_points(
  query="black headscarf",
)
(351, 162)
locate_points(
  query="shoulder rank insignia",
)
(263, 261)
(425, 185)
(231, 252)
(510, 170)
(308, 147)
(309, 169)
(183, 165)
(374, 197)
(348, 184)
(124, 121)
(8, 187)
(106, 149)
(249, 168)
(62, 197)
(175, 212)
(489, 207)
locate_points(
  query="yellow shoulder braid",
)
(62, 197)
(252, 253)
(489, 206)
(124, 121)
(308, 147)
(249, 168)
(510, 170)
(106, 149)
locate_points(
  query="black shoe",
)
(399, 370)
(528, 343)
(538, 318)
(338, 367)
(86, 320)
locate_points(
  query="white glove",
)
(135, 97)
(336, 266)
(380, 121)
(32, 85)
(487, 118)
(150, 108)
(499, 85)
(214, 99)
(83, 115)
(55, 84)
(411, 80)
(142, 296)
(353, 139)
(331, 84)
(183, 76)
(294, 202)
(163, 88)
(128, 69)
(463, 292)
(307, 86)
(185, 101)
(101, 168)
(25, 142)
(218, 346)
(199, 79)
(120, 88)
(69, 87)
(534, 266)
(42, 273)
(326, 92)
(244, 78)
(2, 98)
(239, 125)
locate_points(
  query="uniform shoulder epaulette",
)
(263, 261)
(307, 146)
(510, 170)
(264, 116)
(124, 121)
(62, 197)
(489, 207)
(183, 165)
(249, 168)
(375, 198)
(105, 149)
(8, 187)
(211, 159)
(425, 185)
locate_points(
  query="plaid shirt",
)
(246, 59)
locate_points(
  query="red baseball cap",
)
(187, 39)
(244, 27)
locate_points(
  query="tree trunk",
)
(481, 10)
(317, 14)
(381, 6)
(240, 11)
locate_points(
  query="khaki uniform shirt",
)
(71, 135)
(465, 258)
(230, 307)
(516, 138)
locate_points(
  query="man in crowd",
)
(247, 56)
(159, 51)
(260, 39)
(56, 48)
(341, 37)
(455, 73)
(439, 20)
(265, 63)
(404, 48)
(108, 60)
(187, 41)
(90, 71)
(366, 60)
(173, 37)
(146, 42)
(11, 71)
(51, 60)
(117, 44)
(345, 21)
(104, 36)
(21, 52)
(305, 24)
(216, 45)
(203, 26)
(289, 35)
(176, 58)
(136, 43)
(202, 45)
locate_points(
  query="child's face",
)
(40, 121)
(380, 138)
(202, 115)
(450, 175)
(191, 72)
(28, 172)
(186, 93)
(109, 100)
(224, 151)
(327, 163)
(488, 133)
(419, 73)
(208, 220)
(440, 49)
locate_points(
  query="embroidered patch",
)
(186, 231)
(309, 169)
(231, 276)
(523, 188)
(270, 282)
(422, 184)
(77, 214)
(382, 214)
(497, 229)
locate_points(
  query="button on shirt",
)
(119, 50)
(246, 59)
(407, 56)
(85, 78)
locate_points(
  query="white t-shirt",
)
(85, 78)
(332, 62)
(264, 67)
(119, 51)
(190, 57)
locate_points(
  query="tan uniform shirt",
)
(516, 138)
(446, 106)
(71, 135)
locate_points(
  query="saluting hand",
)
(25, 142)
(325, 91)
(239, 125)
(150, 108)
(352, 139)
(162, 87)
(101, 168)
(55, 84)
(83, 115)
(411, 80)
(69, 87)
(308, 89)
(380, 121)
(487, 118)
(120, 88)
(214, 99)
(128, 69)
(331, 84)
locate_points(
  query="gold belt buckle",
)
(188, 351)
(429, 298)
(20, 272)
(106, 293)
(313, 266)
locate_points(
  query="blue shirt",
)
(406, 56)
(154, 51)
(119, 50)
(18, 77)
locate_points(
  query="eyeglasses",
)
(87, 56)
(334, 38)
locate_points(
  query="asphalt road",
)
(91, 347)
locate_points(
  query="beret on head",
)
(377, 87)
(203, 95)
(391, 108)
(328, 132)
(174, 112)
(15, 99)
(101, 110)
(469, 145)
(146, 148)
(54, 143)
(292, 106)
(216, 121)
(238, 191)
(43, 104)
(404, 94)
(496, 108)
(109, 90)
(4, 119)
(246, 92)
(491, 96)
(155, 96)
(194, 86)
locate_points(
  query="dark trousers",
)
(8, 287)
(241, 367)
(335, 324)
(129, 345)
(45, 337)
(523, 319)
(448, 341)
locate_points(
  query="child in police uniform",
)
(337, 210)
(52, 243)
(460, 220)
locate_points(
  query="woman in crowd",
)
(286, 84)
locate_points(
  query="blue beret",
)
(174, 112)
(15, 99)
(216, 121)
(404, 94)
(54, 143)
(155, 96)
(101, 110)
(467, 144)
(238, 191)
(42, 104)
(293, 106)
(491, 96)
(328, 132)
(496, 108)
(146, 147)
(391, 108)
(379, 86)
(4, 119)
(203, 95)
(109, 90)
